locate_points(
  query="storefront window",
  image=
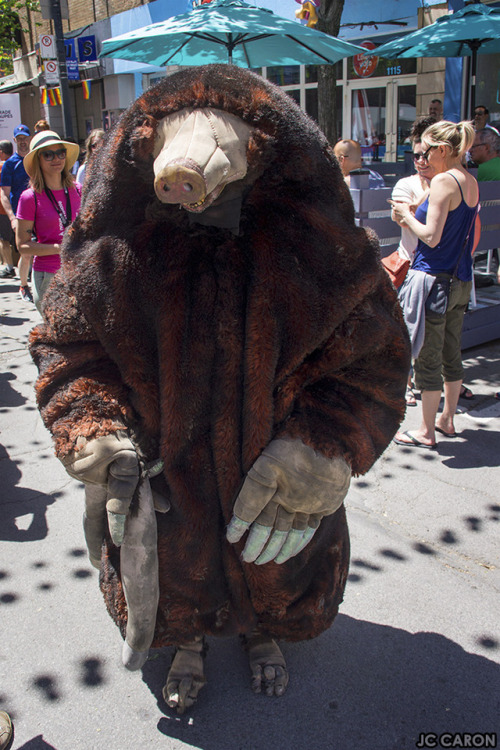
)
(368, 121)
(284, 75)
(488, 86)
(312, 103)
(407, 114)
(295, 94)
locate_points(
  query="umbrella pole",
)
(474, 45)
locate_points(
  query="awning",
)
(11, 84)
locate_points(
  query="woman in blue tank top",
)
(444, 225)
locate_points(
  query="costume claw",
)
(132, 659)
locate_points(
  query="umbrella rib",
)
(307, 47)
(167, 59)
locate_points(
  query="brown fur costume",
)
(208, 344)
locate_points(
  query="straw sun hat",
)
(49, 139)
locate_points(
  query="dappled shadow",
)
(91, 672)
(48, 687)
(360, 685)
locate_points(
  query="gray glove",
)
(285, 495)
(111, 462)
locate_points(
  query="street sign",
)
(71, 60)
(48, 49)
(51, 69)
(87, 49)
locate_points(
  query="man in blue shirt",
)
(13, 181)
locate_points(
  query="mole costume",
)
(219, 315)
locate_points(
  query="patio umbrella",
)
(470, 31)
(228, 31)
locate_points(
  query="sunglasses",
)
(424, 155)
(50, 155)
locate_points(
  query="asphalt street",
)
(415, 649)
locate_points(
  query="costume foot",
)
(186, 676)
(267, 665)
(132, 659)
(406, 438)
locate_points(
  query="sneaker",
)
(25, 294)
(7, 273)
(5, 729)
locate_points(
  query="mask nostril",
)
(187, 187)
(165, 187)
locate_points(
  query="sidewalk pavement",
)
(416, 648)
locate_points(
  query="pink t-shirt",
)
(47, 222)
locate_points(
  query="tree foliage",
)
(12, 15)
(329, 22)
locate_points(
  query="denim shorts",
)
(41, 281)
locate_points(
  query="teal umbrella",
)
(470, 31)
(228, 31)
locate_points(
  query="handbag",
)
(438, 298)
(397, 268)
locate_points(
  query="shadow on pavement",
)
(473, 453)
(8, 395)
(37, 743)
(20, 501)
(367, 686)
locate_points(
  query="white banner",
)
(10, 115)
(48, 47)
(51, 70)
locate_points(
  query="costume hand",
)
(109, 461)
(285, 495)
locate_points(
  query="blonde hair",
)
(458, 136)
(38, 183)
(93, 139)
(41, 125)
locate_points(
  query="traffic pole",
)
(63, 71)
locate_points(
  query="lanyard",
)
(65, 217)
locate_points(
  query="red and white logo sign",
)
(47, 47)
(365, 65)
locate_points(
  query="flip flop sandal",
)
(410, 397)
(466, 393)
(446, 434)
(413, 442)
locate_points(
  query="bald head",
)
(348, 154)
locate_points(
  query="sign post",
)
(63, 73)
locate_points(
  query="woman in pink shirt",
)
(47, 207)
